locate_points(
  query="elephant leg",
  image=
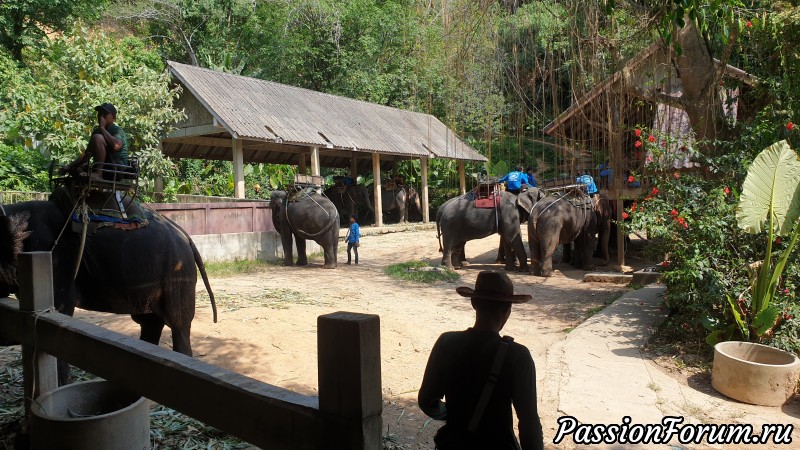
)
(548, 248)
(302, 258)
(330, 248)
(566, 254)
(536, 255)
(288, 248)
(501, 252)
(151, 327)
(517, 252)
(461, 256)
(63, 372)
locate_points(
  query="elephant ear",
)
(13, 231)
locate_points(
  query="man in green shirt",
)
(107, 144)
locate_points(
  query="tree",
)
(26, 22)
(51, 108)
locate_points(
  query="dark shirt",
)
(120, 156)
(458, 369)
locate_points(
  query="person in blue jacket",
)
(352, 238)
(588, 181)
(514, 180)
(529, 174)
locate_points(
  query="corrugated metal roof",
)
(260, 110)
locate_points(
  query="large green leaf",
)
(772, 185)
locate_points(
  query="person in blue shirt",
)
(514, 180)
(587, 180)
(352, 238)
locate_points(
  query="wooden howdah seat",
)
(486, 193)
(304, 185)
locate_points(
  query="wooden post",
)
(301, 164)
(238, 169)
(423, 164)
(315, 169)
(462, 180)
(348, 345)
(35, 276)
(354, 168)
(377, 187)
(620, 235)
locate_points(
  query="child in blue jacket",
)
(352, 238)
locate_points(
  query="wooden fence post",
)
(350, 398)
(35, 278)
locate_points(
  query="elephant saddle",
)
(298, 193)
(486, 195)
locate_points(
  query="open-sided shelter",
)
(248, 120)
(598, 130)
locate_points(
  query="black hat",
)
(491, 285)
(107, 107)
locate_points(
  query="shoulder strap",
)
(494, 375)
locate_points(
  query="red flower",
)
(749, 24)
(624, 215)
(673, 213)
(638, 144)
(790, 126)
(676, 175)
(778, 240)
(681, 220)
(651, 138)
(630, 179)
(786, 292)
(727, 190)
(664, 263)
(663, 143)
(654, 191)
(638, 132)
(685, 225)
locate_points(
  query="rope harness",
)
(304, 195)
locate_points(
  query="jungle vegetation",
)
(496, 72)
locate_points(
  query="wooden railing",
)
(346, 415)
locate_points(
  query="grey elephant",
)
(349, 200)
(305, 215)
(458, 220)
(112, 276)
(568, 218)
(397, 201)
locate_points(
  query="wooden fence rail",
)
(346, 415)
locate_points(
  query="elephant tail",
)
(439, 236)
(202, 268)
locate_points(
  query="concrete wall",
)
(264, 246)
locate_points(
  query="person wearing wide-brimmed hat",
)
(108, 143)
(481, 375)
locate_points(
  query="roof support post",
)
(315, 170)
(301, 164)
(238, 169)
(377, 188)
(462, 179)
(423, 164)
(354, 168)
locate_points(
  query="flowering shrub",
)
(690, 222)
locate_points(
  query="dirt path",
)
(267, 321)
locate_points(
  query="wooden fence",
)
(346, 415)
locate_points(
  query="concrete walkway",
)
(598, 376)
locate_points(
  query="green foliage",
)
(21, 170)
(219, 269)
(50, 106)
(771, 196)
(24, 23)
(420, 272)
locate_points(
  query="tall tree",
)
(26, 22)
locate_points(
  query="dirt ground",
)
(267, 321)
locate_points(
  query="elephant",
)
(397, 201)
(347, 198)
(305, 215)
(459, 221)
(112, 275)
(562, 219)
